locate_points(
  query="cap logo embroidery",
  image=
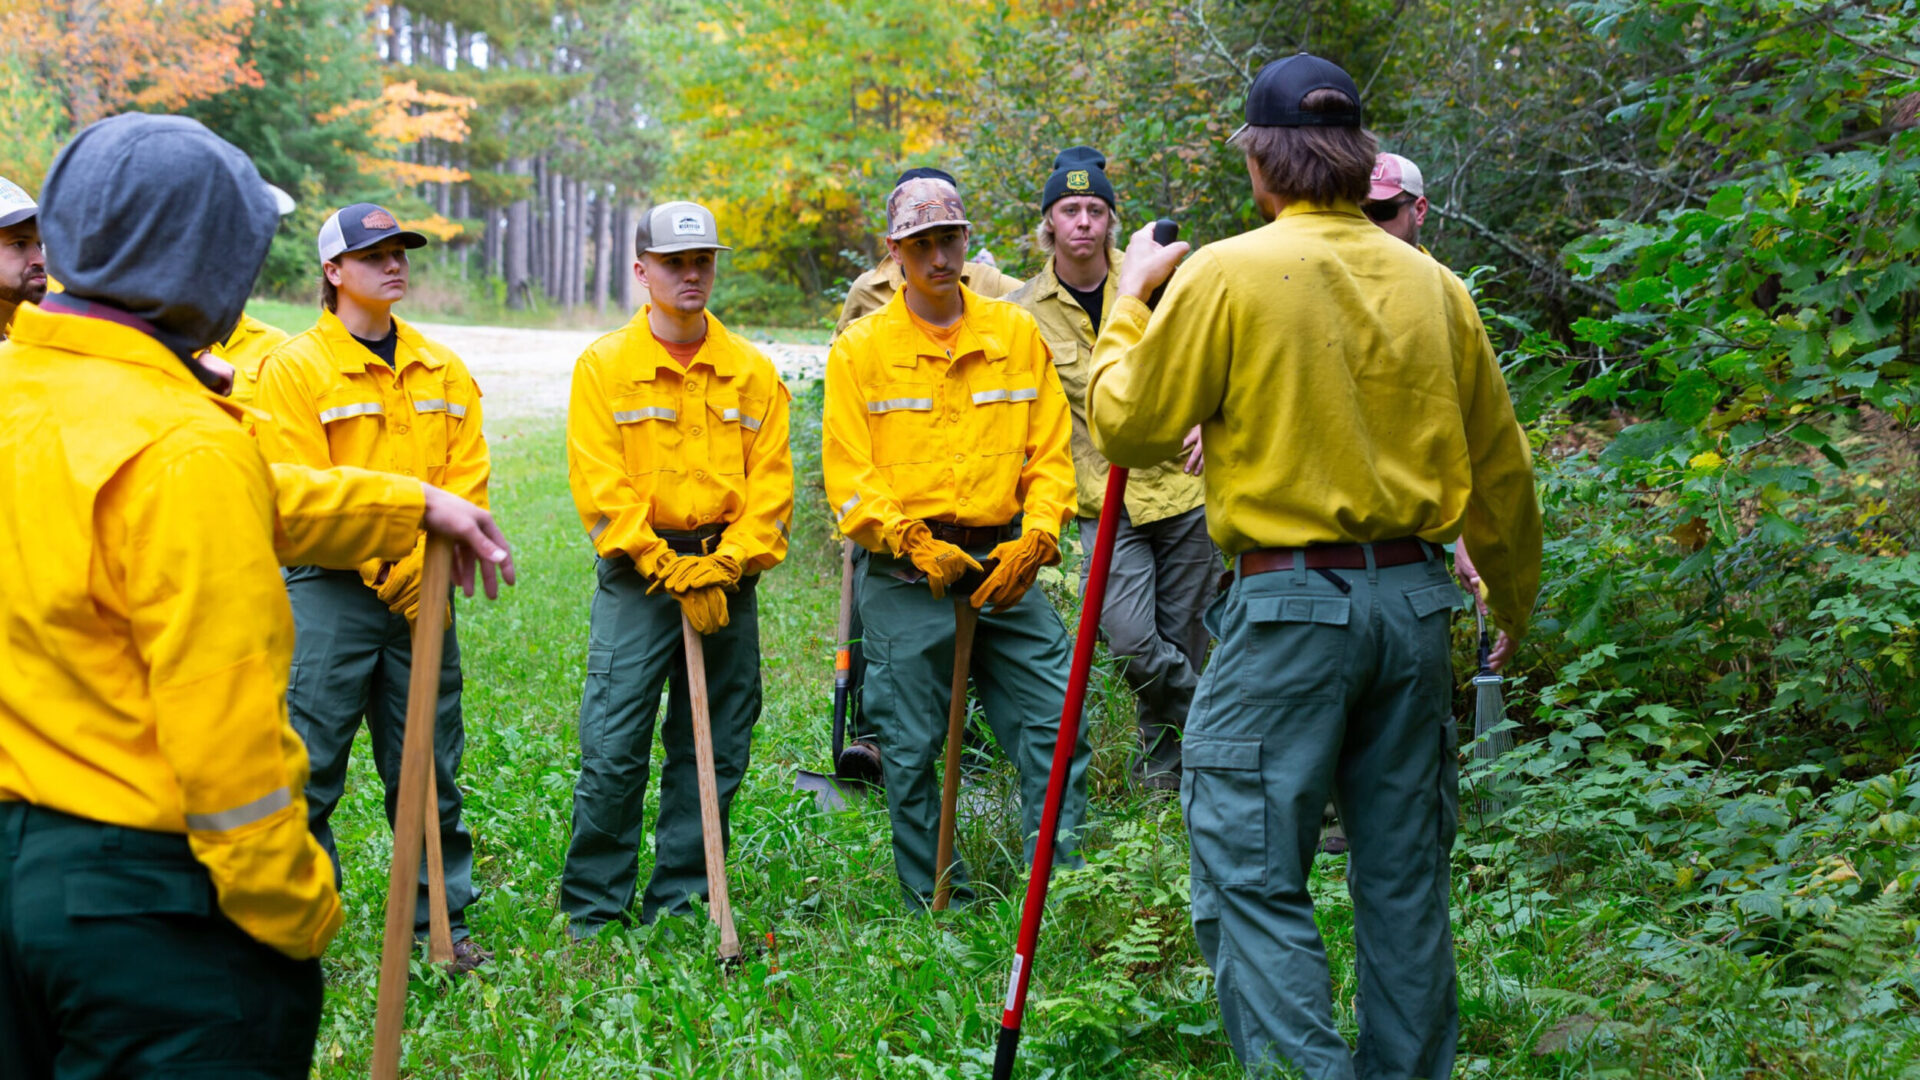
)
(378, 219)
(1379, 170)
(688, 225)
(1077, 180)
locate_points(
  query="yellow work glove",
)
(705, 608)
(692, 572)
(1020, 562)
(943, 563)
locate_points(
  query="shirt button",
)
(696, 432)
(400, 429)
(698, 475)
(959, 457)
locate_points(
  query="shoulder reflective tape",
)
(358, 408)
(651, 412)
(456, 410)
(1028, 394)
(246, 814)
(847, 507)
(916, 404)
(430, 404)
(750, 423)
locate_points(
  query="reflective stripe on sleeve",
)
(358, 408)
(847, 507)
(750, 423)
(651, 412)
(599, 527)
(916, 404)
(429, 405)
(245, 814)
(456, 410)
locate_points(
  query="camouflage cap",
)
(923, 203)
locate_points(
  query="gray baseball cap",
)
(678, 226)
(16, 205)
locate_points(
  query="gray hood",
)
(161, 218)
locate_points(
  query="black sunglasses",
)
(1385, 210)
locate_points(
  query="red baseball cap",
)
(1393, 174)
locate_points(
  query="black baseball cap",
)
(927, 173)
(1277, 92)
(362, 225)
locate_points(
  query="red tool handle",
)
(1090, 608)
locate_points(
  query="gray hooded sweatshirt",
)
(161, 218)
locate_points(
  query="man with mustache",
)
(23, 261)
(944, 422)
(363, 388)
(678, 459)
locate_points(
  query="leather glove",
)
(943, 563)
(1020, 562)
(705, 608)
(699, 572)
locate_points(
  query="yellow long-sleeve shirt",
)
(974, 439)
(332, 402)
(247, 349)
(1346, 390)
(652, 446)
(143, 680)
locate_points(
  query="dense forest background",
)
(1694, 229)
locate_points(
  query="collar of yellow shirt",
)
(717, 352)
(904, 343)
(1308, 206)
(349, 355)
(112, 341)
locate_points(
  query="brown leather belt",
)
(1338, 556)
(701, 541)
(968, 536)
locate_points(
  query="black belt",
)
(968, 536)
(700, 541)
(1337, 556)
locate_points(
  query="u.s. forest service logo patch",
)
(1077, 180)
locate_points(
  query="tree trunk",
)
(519, 238)
(623, 256)
(569, 206)
(577, 245)
(602, 250)
(556, 232)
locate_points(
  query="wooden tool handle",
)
(440, 927)
(410, 817)
(965, 618)
(718, 905)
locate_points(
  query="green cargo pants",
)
(1020, 661)
(352, 658)
(1315, 692)
(633, 649)
(115, 961)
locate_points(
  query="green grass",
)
(862, 989)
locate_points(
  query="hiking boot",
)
(467, 956)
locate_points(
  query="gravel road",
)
(525, 373)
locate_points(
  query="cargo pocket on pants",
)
(594, 703)
(164, 914)
(1226, 809)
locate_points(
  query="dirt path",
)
(525, 373)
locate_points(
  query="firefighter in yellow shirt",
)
(871, 290)
(1355, 422)
(944, 422)
(162, 901)
(363, 388)
(677, 454)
